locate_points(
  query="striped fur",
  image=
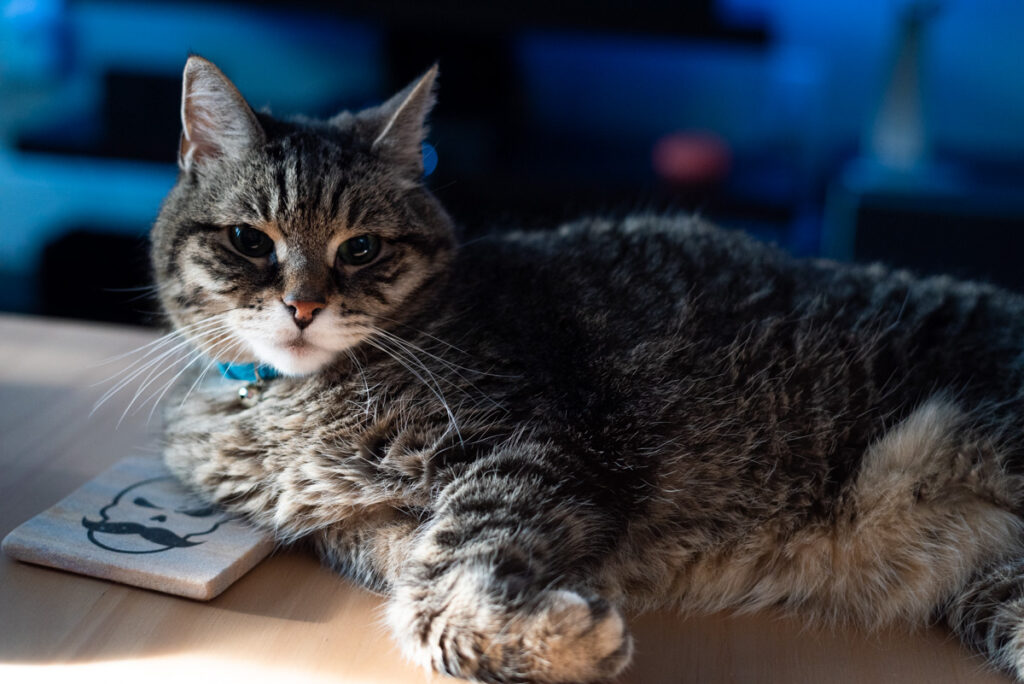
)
(522, 438)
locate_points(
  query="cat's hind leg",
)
(935, 528)
(931, 504)
(988, 615)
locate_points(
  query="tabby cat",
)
(519, 438)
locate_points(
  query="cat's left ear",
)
(400, 124)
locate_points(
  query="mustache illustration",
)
(157, 535)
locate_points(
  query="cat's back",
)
(634, 271)
(602, 317)
(601, 307)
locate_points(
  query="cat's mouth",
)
(300, 347)
(296, 355)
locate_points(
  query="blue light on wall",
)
(54, 58)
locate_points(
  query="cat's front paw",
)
(577, 639)
(468, 630)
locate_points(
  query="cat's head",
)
(288, 242)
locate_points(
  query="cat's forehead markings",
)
(290, 187)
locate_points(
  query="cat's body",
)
(548, 428)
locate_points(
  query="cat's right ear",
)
(399, 126)
(216, 122)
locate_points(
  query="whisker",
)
(202, 374)
(439, 341)
(417, 330)
(435, 389)
(163, 339)
(157, 371)
(410, 349)
(454, 367)
(214, 353)
(146, 363)
(139, 288)
(194, 355)
(152, 364)
(147, 366)
(366, 387)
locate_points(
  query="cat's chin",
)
(295, 359)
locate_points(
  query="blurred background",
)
(861, 130)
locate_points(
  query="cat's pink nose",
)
(303, 312)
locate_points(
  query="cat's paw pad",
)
(576, 639)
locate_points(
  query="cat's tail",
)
(988, 615)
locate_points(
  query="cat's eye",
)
(360, 250)
(250, 242)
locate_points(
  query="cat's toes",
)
(577, 639)
(553, 636)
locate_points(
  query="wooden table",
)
(290, 620)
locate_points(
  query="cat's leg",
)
(988, 615)
(370, 547)
(935, 528)
(366, 543)
(206, 449)
(496, 587)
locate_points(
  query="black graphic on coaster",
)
(151, 516)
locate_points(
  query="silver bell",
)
(250, 394)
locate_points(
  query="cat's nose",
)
(302, 311)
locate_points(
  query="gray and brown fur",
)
(522, 437)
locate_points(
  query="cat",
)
(521, 438)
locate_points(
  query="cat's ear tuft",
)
(216, 122)
(401, 122)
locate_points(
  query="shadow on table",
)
(57, 616)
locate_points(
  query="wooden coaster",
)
(135, 524)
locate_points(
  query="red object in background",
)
(692, 158)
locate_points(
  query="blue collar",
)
(249, 372)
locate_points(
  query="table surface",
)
(290, 617)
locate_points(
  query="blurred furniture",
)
(290, 619)
(943, 220)
(901, 203)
